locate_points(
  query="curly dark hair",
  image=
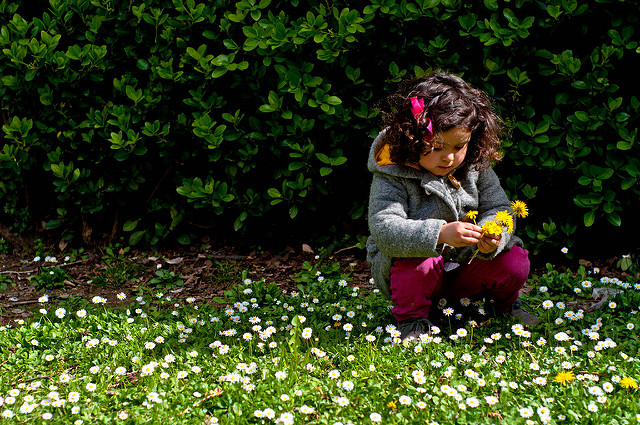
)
(448, 102)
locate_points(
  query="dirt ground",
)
(205, 274)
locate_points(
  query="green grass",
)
(223, 273)
(116, 273)
(322, 355)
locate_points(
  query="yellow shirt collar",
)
(383, 157)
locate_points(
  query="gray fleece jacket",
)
(408, 207)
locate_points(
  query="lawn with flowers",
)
(326, 353)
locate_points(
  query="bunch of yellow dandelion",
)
(493, 228)
(628, 383)
(503, 220)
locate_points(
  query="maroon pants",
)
(415, 282)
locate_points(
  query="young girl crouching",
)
(431, 166)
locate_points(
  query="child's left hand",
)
(489, 243)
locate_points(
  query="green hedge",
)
(164, 120)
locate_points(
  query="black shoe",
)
(522, 315)
(413, 328)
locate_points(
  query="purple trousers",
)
(416, 281)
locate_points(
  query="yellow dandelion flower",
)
(564, 377)
(506, 219)
(471, 215)
(491, 228)
(520, 209)
(391, 404)
(628, 383)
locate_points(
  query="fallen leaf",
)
(177, 260)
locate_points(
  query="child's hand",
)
(488, 243)
(459, 234)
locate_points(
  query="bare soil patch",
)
(205, 274)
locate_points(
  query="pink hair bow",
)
(424, 123)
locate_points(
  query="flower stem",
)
(473, 256)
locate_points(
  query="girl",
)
(431, 166)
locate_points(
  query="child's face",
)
(449, 151)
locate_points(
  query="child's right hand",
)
(460, 234)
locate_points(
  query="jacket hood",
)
(379, 162)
